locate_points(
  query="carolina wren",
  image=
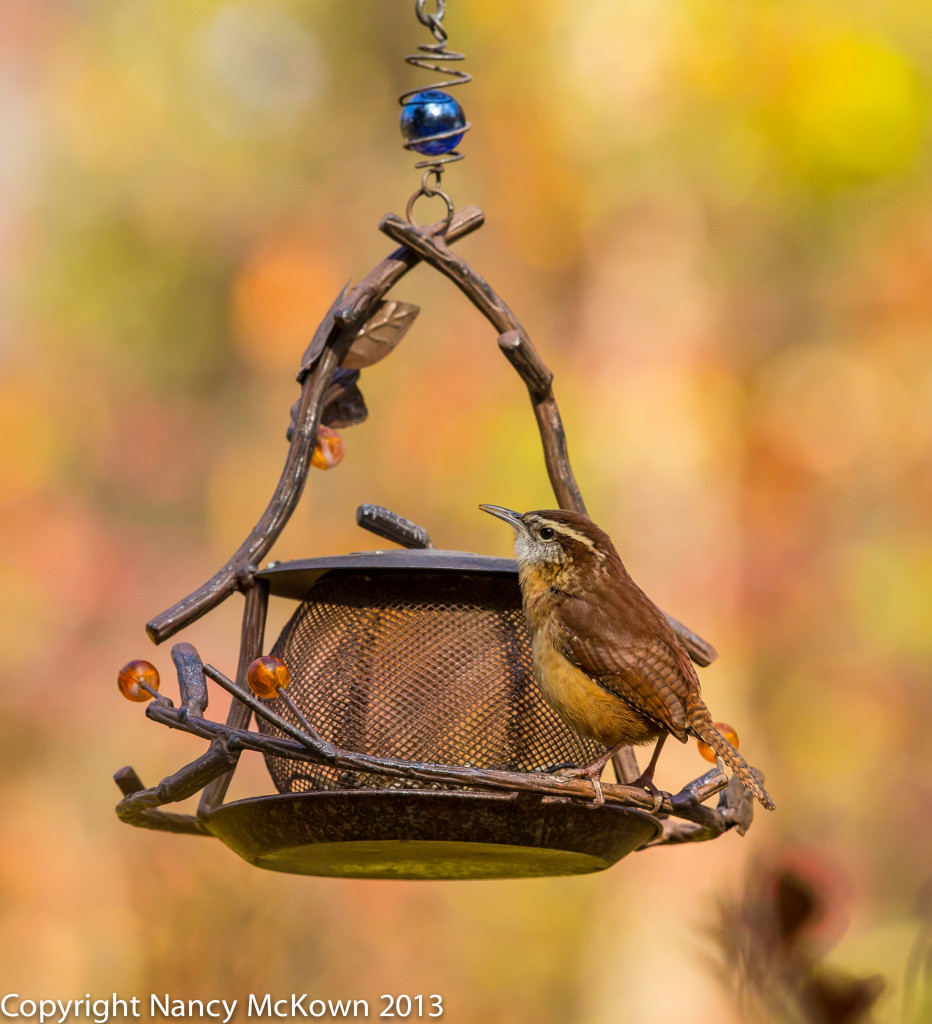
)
(604, 654)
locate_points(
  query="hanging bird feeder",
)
(397, 712)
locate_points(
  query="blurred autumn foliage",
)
(713, 218)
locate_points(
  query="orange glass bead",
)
(132, 674)
(727, 731)
(329, 450)
(267, 675)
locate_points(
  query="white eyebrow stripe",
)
(568, 531)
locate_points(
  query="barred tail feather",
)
(700, 721)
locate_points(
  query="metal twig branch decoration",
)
(442, 761)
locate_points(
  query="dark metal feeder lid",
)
(294, 579)
(428, 834)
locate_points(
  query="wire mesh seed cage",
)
(431, 663)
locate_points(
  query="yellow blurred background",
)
(714, 220)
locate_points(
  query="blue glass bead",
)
(430, 112)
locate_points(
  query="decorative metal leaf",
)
(343, 404)
(381, 333)
(346, 409)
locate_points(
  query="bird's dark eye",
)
(547, 533)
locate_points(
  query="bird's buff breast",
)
(582, 703)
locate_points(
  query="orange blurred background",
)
(714, 220)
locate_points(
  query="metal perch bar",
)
(391, 526)
(544, 785)
(522, 355)
(685, 804)
(485, 778)
(191, 682)
(140, 806)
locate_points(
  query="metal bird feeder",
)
(412, 741)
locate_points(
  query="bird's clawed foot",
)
(645, 781)
(592, 772)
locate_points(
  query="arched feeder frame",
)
(426, 818)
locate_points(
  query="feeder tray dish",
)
(427, 835)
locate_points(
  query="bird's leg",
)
(593, 772)
(646, 779)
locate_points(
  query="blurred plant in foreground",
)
(774, 940)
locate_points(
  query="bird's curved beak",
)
(515, 519)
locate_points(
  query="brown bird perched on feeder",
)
(605, 657)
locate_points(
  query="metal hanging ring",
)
(423, 16)
(429, 188)
(441, 227)
(434, 19)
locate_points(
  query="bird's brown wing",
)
(645, 672)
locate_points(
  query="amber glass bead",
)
(329, 450)
(726, 730)
(267, 675)
(132, 674)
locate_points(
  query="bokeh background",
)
(714, 220)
